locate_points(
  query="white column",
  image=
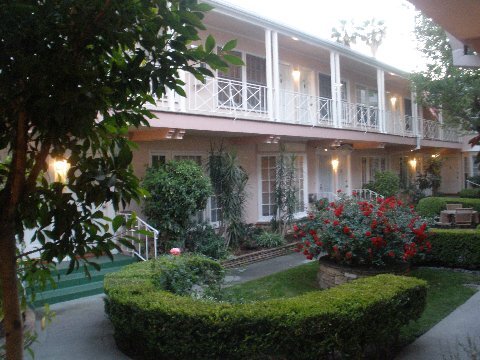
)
(183, 102)
(440, 120)
(335, 84)
(268, 61)
(170, 99)
(276, 75)
(416, 125)
(349, 173)
(381, 99)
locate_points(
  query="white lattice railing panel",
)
(229, 97)
(366, 194)
(359, 116)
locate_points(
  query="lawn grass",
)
(446, 291)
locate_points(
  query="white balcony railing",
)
(237, 99)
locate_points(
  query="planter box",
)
(331, 274)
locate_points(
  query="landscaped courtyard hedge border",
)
(153, 324)
(454, 248)
(431, 206)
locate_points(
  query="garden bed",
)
(151, 323)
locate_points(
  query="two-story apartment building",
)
(344, 115)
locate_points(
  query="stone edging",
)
(247, 259)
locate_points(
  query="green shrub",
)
(455, 248)
(187, 274)
(204, 240)
(269, 239)
(154, 324)
(177, 191)
(469, 193)
(387, 183)
(431, 206)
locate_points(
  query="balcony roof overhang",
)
(460, 18)
(238, 14)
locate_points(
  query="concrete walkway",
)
(81, 330)
(456, 337)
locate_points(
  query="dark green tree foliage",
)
(74, 76)
(229, 180)
(442, 85)
(177, 191)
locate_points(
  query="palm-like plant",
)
(372, 32)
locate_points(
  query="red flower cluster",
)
(364, 232)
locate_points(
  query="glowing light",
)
(334, 164)
(413, 164)
(296, 74)
(60, 167)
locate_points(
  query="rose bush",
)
(369, 233)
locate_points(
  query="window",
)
(367, 106)
(268, 168)
(325, 91)
(244, 87)
(195, 158)
(370, 165)
(157, 160)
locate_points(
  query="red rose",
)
(295, 227)
(368, 233)
(348, 255)
(346, 230)
(336, 222)
(391, 253)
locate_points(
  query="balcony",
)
(237, 99)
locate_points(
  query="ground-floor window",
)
(268, 171)
(213, 212)
(371, 165)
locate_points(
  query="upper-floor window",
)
(244, 87)
(367, 106)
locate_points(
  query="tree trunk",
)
(11, 304)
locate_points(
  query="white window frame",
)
(368, 167)
(169, 156)
(297, 215)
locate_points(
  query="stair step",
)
(79, 278)
(69, 293)
(103, 261)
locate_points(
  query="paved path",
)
(456, 337)
(81, 330)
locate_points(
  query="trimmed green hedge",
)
(153, 324)
(431, 206)
(454, 248)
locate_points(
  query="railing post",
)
(381, 100)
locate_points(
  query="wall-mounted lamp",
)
(335, 164)
(60, 167)
(393, 101)
(435, 156)
(413, 164)
(296, 74)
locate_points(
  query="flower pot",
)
(331, 274)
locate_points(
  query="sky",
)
(317, 17)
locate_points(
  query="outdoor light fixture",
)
(296, 74)
(294, 38)
(435, 155)
(393, 101)
(60, 167)
(335, 164)
(413, 164)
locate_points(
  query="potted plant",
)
(354, 238)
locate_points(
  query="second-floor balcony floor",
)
(235, 99)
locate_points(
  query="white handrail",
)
(473, 183)
(366, 194)
(140, 230)
(327, 195)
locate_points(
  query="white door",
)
(325, 173)
(306, 100)
(287, 100)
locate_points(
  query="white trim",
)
(297, 215)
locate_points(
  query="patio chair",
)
(463, 217)
(454, 206)
(444, 221)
